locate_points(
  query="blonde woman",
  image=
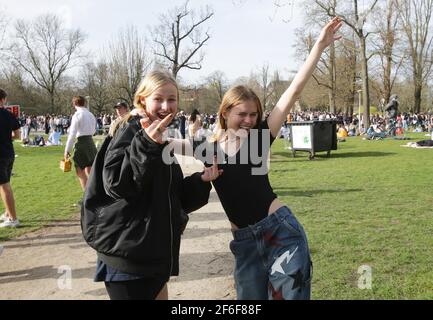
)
(133, 211)
(270, 246)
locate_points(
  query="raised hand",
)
(211, 173)
(155, 129)
(328, 33)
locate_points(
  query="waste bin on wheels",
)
(313, 137)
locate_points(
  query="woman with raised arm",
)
(270, 246)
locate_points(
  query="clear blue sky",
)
(244, 33)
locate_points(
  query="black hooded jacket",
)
(134, 206)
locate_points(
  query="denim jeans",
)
(272, 259)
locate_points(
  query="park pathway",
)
(56, 263)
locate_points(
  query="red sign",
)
(15, 110)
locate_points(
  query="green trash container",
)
(313, 137)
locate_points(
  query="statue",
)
(392, 111)
(392, 107)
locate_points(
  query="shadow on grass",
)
(310, 193)
(366, 154)
(283, 170)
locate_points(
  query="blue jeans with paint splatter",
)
(272, 259)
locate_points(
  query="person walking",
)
(83, 127)
(9, 130)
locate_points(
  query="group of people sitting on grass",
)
(39, 140)
(374, 132)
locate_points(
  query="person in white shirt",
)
(83, 127)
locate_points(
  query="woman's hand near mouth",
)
(155, 129)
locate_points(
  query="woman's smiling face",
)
(242, 117)
(161, 102)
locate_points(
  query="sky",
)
(245, 34)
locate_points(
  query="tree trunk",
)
(387, 80)
(351, 102)
(389, 44)
(354, 61)
(365, 90)
(175, 70)
(332, 79)
(417, 96)
(52, 107)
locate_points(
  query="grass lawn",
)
(370, 203)
(43, 194)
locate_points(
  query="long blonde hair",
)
(148, 85)
(234, 96)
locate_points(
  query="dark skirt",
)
(84, 152)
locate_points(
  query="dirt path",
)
(56, 263)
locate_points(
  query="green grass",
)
(43, 194)
(370, 203)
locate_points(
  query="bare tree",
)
(416, 18)
(340, 90)
(129, 62)
(356, 19)
(96, 84)
(385, 45)
(278, 87)
(266, 89)
(29, 97)
(179, 40)
(217, 83)
(347, 75)
(325, 74)
(3, 29)
(330, 63)
(45, 51)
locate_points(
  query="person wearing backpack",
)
(135, 205)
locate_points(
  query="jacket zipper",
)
(171, 226)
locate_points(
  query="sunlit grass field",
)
(369, 204)
(43, 193)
